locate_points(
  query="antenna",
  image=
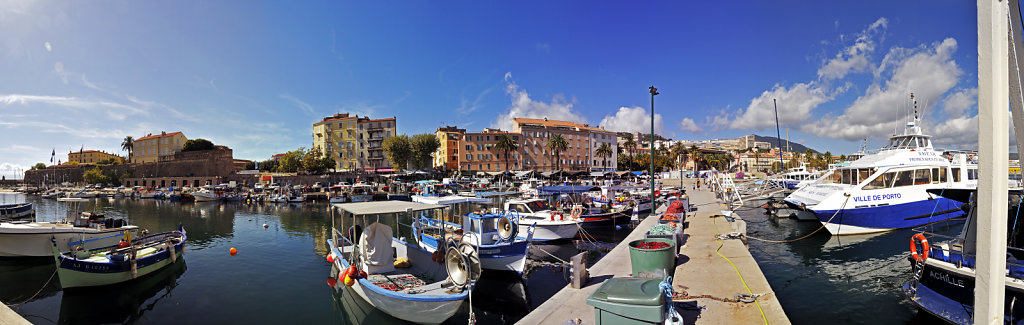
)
(915, 106)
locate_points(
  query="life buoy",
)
(924, 247)
(559, 214)
(604, 198)
(577, 211)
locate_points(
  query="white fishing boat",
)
(87, 230)
(420, 289)
(16, 211)
(295, 199)
(796, 177)
(550, 225)
(361, 193)
(206, 195)
(494, 236)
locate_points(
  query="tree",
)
(630, 145)
(757, 157)
(39, 166)
(828, 158)
(398, 151)
(506, 144)
(250, 165)
(327, 162)
(128, 145)
(842, 157)
(312, 161)
(423, 147)
(94, 176)
(197, 144)
(557, 144)
(695, 156)
(268, 165)
(604, 151)
(291, 161)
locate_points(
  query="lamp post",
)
(654, 91)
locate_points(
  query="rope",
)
(807, 235)
(718, 251)
(37, 292)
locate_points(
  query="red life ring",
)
(604, 198)
(560, 216)
(577, 211)
(924, 247)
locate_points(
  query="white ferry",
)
(886, 190)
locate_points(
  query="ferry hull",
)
(851, 221)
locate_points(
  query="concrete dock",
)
(8, 316)
(700, 273)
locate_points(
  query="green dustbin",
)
(628, 301)
(652, 263)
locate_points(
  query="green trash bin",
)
(628, 301)
(652, 263)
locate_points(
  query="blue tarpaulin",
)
(566, 189)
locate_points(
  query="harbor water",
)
(278, 276)
(825, 279)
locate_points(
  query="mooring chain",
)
(682, 295)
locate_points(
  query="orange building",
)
(478, 152)
(447, 155)
(535, 135)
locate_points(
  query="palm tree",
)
(630, 145)
(127, 145)
(757, 157)
(506, 144)
(604, 151)
(557, 144)
(694, 154)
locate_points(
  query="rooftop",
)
(161, 135)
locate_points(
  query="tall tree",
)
(506, 144)
(695, 156)
(127, 145)
(604, 151)
(312, 161)
(423, 147)
(291, 161)
(557, 144)
(630, 145)
(197, 144)
(398, 151)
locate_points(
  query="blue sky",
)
(255, 76)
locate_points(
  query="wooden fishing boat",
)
(128, 260)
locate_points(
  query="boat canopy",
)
(493, 194)
(566, 189)
(449, 200)
(385, 207)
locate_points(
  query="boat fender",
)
(924, 247)
(559, 214)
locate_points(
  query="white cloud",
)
(956, 133)
(525, 107)
(795, 105)
(67, 102)
(928, 72)
(957, 103)
(49, 47)
(58, 68)
(632, 119)
(306, 107)
(854, 58)
(688, 125)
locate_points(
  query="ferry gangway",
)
(726, 189)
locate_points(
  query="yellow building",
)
(151, 147)
(354, 142)
(447, 155)
(92, 157)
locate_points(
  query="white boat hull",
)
(551, 231)
(33, 240)
(205, 197)
(429, 312)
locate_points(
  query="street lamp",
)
(654, 91)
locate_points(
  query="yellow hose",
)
(720, 244)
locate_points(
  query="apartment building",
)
(447, 155)
(535, 135)
(354, 142)
(151, 148)
(479, 153)
(92, 157)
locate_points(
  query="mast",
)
(778, 135)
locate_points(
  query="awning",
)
(385, 207)
(566, 189)
(386, 170)
(448, 200)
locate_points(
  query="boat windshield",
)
(538, 206)
(851, 176)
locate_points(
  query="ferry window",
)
(956, 174)
(904, 178)
(863, 175)
(942, 175)
(922, 176)
(882, 181)
(836, 177)
(972, 174)
(845, 179)
(935, 175)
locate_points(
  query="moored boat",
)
(548, 224)
(16, 211)
(126, 261)
(32, 239)
(494, 236)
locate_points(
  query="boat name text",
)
(946, 278)
(876, 197)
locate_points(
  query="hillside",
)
(793, 146)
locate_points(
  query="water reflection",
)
(22, 279)
(126, 303)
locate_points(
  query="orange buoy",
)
(233, 251)
(330, 257)
(924, 247)
(331, 282)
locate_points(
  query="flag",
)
(53, 154)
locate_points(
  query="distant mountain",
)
(793, 146)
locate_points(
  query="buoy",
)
(352, 271)
(250, 219)
(122, 244)
(265, 226)
(349, 281)
(331, 282)
(233, 251)
(330, 257)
